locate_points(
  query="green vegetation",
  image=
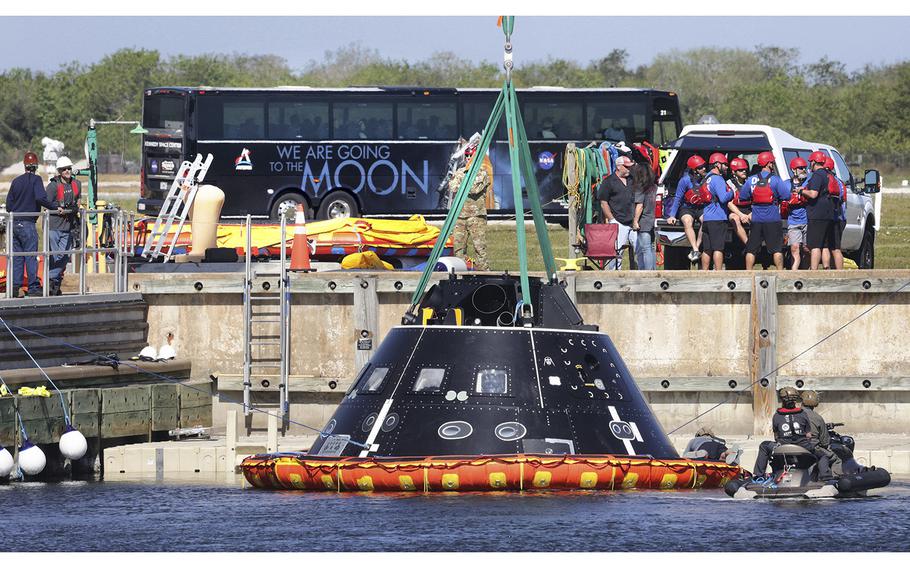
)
(859, 112)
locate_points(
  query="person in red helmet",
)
(740, 211)
(819, 209)
(26, 195)
(688, 210)
(766, 190)
(834, 252)
(797, 222)
(714, 226)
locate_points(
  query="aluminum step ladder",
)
(176, 207)
(266, 324)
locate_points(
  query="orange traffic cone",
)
(300, 249)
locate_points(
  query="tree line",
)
(859, 112)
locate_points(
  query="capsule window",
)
(375, 380)
(430, 380)
(492, 381)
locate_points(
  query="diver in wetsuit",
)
(792, 425)
(820, 429)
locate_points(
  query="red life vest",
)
(700, 195)
(762, 192)
(834, 190)
(61, 188)
(737, 200)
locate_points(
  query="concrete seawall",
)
(691, 341)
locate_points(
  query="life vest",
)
(698, 195)
(735, 186)
(651, 154)
(796, 200)
(834, 190)
(71, 196)
(762, 192)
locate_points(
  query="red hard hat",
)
(738, 164)
(717, 157)
(31, 159)
(798, 163)
(818, 157)
(695, 161)
(829, 164)
(765, 158)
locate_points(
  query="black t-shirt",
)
(821, 208)
(619, 197)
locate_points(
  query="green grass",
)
(892, 247)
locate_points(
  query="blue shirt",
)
(720, 195)
(798, 215)
(27, 195)
(685, 183)
(766, 213)
(840, 213)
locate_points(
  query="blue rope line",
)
(221, 397)
(66, 415)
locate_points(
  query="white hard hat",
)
(64, 162)
(166, 352)
(148, 353)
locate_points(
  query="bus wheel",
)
(338, 205)
(286, 204)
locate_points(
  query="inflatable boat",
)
(476, 394)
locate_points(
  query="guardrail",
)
(104, 243)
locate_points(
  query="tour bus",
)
(365, 151)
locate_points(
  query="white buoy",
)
(6, 462)
(31, 459)
(72, 444)
(450, 264)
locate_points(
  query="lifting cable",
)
(221, 397)
(735, 394)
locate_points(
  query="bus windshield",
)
(384, 151)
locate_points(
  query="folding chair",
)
(600, 242)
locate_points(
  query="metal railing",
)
(101, 247)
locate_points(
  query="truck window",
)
(843, 172)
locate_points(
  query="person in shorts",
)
(687, 211)
(714, 226)
(740, 211)
(797, 222)
(766, 190)
(819, 209)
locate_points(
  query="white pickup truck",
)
(747, 141)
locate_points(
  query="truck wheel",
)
(287, 204)
(865, 258)
(676, 258)
(338, 205)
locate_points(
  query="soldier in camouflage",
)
(472, 222)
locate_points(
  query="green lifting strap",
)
(91, 154)
(521, 167)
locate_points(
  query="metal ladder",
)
(262, 349)
(189, 176)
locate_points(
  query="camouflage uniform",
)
(473, 218)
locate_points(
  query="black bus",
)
(365, 151)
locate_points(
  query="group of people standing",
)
(813, 202)
(28, 194)
(628, 197)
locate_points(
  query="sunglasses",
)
(740, 170)
(66, 169)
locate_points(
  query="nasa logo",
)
(153, 166)
(545, 160)
(243, 161)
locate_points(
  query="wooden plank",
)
(192, 395)
(296, 383)
(165, 413)
(366, 320)
(864, 284)
(43, 418)
(85, 411)
(571, 282)
(763, 342)
(660, 283)
(196, 416)
(692, 384)
(125, 411)
(860, 383)
(8, 425)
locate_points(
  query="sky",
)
(28, 41)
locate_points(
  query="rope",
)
(66, 415)
(794, 358)
(220, 396)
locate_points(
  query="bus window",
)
(363, 121)
(300, 121)
(475, 115)
(427, 121)
(665, 126)
(162, 111)
(618, 121)
(553, 120)
(664, 131)
(244, 120)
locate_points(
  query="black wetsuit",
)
(792, 426)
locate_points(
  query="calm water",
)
(152, 516)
